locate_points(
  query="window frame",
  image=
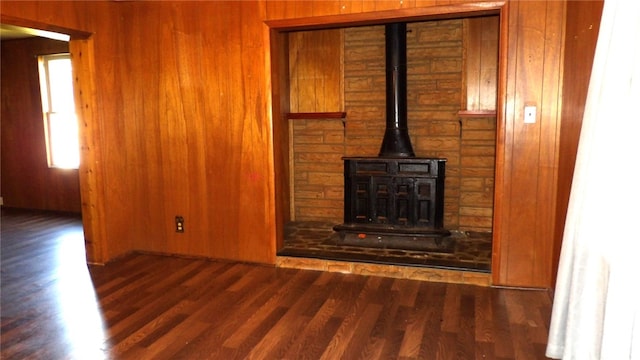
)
(48, 114)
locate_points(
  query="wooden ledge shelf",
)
(317, 115)
(476, 113)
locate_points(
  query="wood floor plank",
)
(433, 301)
(483, 312)
(388, 315)
(288, 328)
(362, 330)
(355, 310)
(466, 325)
(502, 327)
(256, 326)
(148, 306)
(226, 321)
(414, 332)
(321, 327)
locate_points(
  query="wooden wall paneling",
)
(424, 3)
(177, 118)
(258, 246)
(128, 95)
(214, 122)
(382, 5)
(143, 121)
(192, 117)
(303, 8)
(350, 7)
(442, 2)
(304, 76)
(188, 116)
(281, 17)
(550, 120)
(503, 145)
(315, 73)
(220, 130)
(534, 53)
(335, 45)
(522, 143)
(287, 9)
(302, 73)
(184, 153)
(90, 172)
(229, 127)
(150, 139)
(276, 9)
(489, 62)
(218, 64)
(295, 67)
(130, 210)
(367, 6)
(472, 49)
(203, 209)
(322, 83)
(258, 138)
(91, 74)
(279, 57)
(583, 23)
(481, 36)
(327, 7)
(19, 109)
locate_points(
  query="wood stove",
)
(395, 200)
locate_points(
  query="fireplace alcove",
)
(319, 134)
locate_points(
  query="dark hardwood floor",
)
(54, 306)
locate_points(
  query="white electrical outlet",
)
(529, 114)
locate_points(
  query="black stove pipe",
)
(396, 141)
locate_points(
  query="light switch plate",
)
(529, 114)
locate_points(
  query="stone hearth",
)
(315, 239)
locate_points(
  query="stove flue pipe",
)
(396, 141)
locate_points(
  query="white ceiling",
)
(8, 32)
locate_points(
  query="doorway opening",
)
(22, 34)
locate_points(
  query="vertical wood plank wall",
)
(583, 24)
(183, 105)
(279, 67)
(315, 75)
(27, 180)
(524, 221)
(481, 71)
(91, 171)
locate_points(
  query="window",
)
(59, 112)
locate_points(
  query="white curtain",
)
(596, 309)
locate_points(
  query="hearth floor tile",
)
(317, 240)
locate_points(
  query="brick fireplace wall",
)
(318, 147)
(477, 169)
(435, 73)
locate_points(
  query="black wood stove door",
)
(400, 201)
(379, 192)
